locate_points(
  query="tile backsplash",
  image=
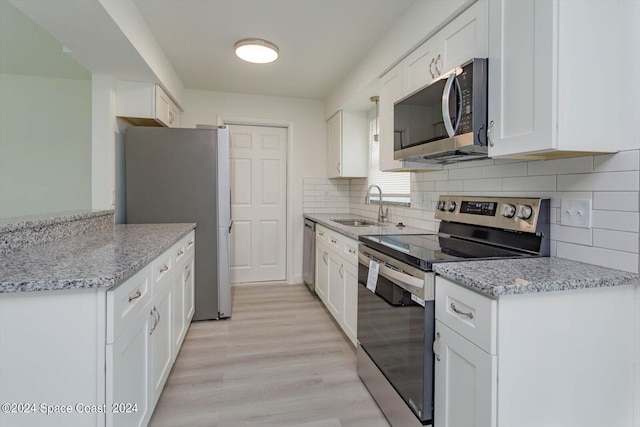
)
(610, 182)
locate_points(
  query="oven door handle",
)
(401, 279)
(409, 283)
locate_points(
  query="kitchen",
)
(608, 181)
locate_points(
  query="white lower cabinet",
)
(465, 382)
(128, 370)
(139, 360)
(161, 342)
(562, 358)
(337, 278)
(322, 267)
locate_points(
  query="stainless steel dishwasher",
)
(308, 254)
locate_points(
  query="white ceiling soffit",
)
(87, 30)
(320, 41)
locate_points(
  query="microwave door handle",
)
(451, 131)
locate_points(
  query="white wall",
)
(45, 150)
(309, 139)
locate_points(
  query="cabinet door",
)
(178, 325)
(466, 37)
(335, 293)
(127, 372)
(189, 301)
(161, 342)
(419, 68)
(322, 270)
(334, 135)
(522, 67)
(350, 311)
(465, 382)
(163, 105)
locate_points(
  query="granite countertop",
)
(99, 259)
(44, 220)
(355, 232)
(532, 275)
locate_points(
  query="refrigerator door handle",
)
(230, 226)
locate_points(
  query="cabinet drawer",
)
(335, 241)
(126, 301)
(350, 251)
(322, 233)
(189, 244)
(162, 269)
(468, 313)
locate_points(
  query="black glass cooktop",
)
(422, 250)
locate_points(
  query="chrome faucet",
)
(382, 214)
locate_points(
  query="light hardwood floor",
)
(279, 361)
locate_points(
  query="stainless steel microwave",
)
(446, 121)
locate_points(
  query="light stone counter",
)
(354, 232)
(532, 275)
(96, 259)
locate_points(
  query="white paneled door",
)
(258, 203)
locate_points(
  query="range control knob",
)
(441, 205)
(508, 210)
(451, 206)
(524, 211)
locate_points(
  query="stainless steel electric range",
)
(396, 292)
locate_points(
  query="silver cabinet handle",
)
(439, 58)
(180, 253)
(461, 313)
(158, 315)
(338, 167)
(435, 344)
(155, 321)
(333, 240)
(171, 117)
(163, 269)
(341, 271)
(324, 257)
(137, 295)
(430, 70)
(491, 123)
(188, 273)
(190, 243)
(352, 252)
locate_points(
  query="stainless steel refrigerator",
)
(182, 175)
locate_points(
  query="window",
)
(396, 187)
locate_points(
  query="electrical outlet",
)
(575, 213)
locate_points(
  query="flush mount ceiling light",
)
(257, 51)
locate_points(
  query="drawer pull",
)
(136, 296)
(333, 240)
(190, 244)
(181, 252)
(324, 258)
(352, 252)
(163, 269)
(435, 345)
(341, 271)
(155, 320)
(461, 313)
(188, 274)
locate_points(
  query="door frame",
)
(287, 124)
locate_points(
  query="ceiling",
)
(320, 41)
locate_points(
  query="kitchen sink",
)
(357, 222)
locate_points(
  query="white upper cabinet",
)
(348, 145)
(554, 77)
(145, 104)
(463, 38)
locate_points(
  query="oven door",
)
(396, 332)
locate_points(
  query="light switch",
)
(575, 213)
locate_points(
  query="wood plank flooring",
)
(279, 361)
